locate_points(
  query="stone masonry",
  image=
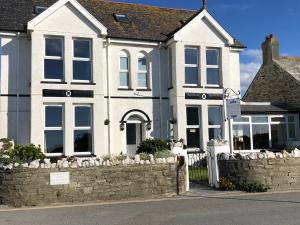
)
(31, 187)
(278, 174)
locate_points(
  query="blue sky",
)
(249, 21)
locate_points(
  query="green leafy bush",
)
(26, 153)
(226, 184)
(252, 187)
(163, 154)
(144, 156)
(151, 146)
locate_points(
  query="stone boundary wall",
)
(31, 187)
(278, 174)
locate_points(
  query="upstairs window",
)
(191, 66)
(142, 71)
(82, 62)
(213, 67)
(124, 69)
(54, 60)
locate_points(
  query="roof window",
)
(122, 18)
(39, 9)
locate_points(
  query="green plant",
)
(151, 146)
(6, 145)
(252, 187)
(26, 153)
(163, 154)
(225, 184)
(121, 157)
(145, 156)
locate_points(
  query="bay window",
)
(82, 60)
(83, 134)
(213, 66)
(53, 129)
(54, 59)
(191, 66)
(142, 71)
(215, 122)
(193, 126)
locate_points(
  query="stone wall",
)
(279, 174)
(31, 187)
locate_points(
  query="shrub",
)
(226, 184)
(163, 154)
(252, 187)
(151, 146)
(26, 153)
(6, 145)
(144, 156)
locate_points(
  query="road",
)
(261, 209)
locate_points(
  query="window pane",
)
(214, 115)
(131, 133)
(53, 116)
(291, 118)
(191, 75)
(241, 137)
(292, 131)
(124, 79)
(54, 141)
(278, 119)
(260, 134)
(142, 80)
(142, 64)
(54, 47)
(124, 63)
(191, 56)
(278, 134)
(192, 115)
(213, 76)
(82, 141)
(212, 57)
(241, 119)
(83, 116)
(259, 119)
(82, 49)
(215, 133)
(53, 69)
(193, 137)
(81, 70)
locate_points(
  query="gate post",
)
(215, 147)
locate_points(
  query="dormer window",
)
(122, 18)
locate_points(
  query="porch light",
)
(148, 126)
(122, 126)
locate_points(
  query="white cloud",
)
(252, 61)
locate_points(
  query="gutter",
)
(160, 89)
(17, 86)
(108, 93)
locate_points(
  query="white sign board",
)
(233, 108)
(59, 178)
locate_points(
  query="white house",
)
(97, 77)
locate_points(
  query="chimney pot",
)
(270, 48)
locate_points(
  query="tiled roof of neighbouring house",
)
(290, 65)
(146, 22)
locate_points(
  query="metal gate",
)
(198, 172)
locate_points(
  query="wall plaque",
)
(59, 178)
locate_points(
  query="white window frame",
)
(54, 128)
(192, 66)
(269, 123)
(124, 54)
(142, 55)
(198, 126)
(213, 67)
(82, 60)
(221, 123)
(89, 128)
(54, 58)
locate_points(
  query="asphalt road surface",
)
(262, 209)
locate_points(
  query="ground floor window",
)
(193, 119)
(53, 129)
(263, 132)
(214, 122)
(83, 134)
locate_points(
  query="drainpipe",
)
(108, 93)
(17, 86)
(160, 91)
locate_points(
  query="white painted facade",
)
(22, 102)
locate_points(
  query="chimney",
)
(270, 48)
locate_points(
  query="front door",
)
(133, 136)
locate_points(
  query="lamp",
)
(148, 126)
(122, 126)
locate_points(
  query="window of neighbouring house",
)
(215, 122)
(191, 66)
(82, 60)
(142, 71)
(170, 68)
(54, 59)
(83, 134)
(213, 67)
(53, 131)
(193, 126)
(124, 62)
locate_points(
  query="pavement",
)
(200, 206)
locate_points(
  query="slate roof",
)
(266, 109)
(147, 22)
(290, 65)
